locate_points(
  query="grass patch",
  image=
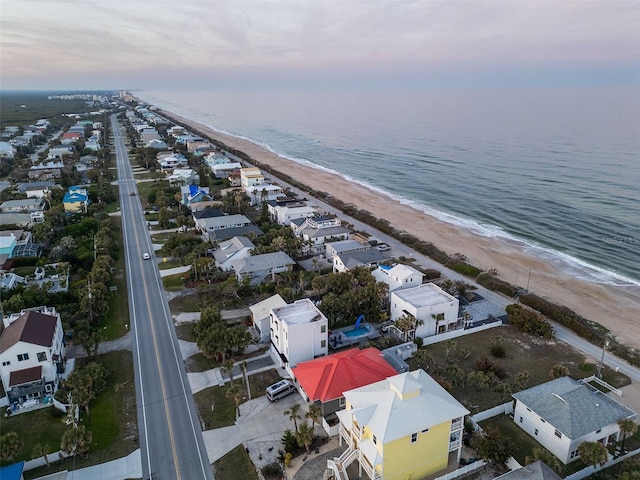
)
(522, 443)
(200, 363)
(173, 283)
(113, 420)
(169, 263)
(217, 410)
(523, 352)
(50, 427)
(184, 331)
(160, 237)
(113, 207)
(24, 271)
(186, 303)
(118, 315)
(236, 464)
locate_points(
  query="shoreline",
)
(615, 307)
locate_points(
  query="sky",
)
(152, 44)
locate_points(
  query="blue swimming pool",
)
(356, 332)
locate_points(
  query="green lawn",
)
(24, 271)
(200, 363)
(187, 303)
(217, 410)
(113, 421)
(235, 465)
(173, 283)
(523, 352)
(184, 331)
(169, 263)
(118, 315)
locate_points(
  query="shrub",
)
(497, 285)
(418, 341)
(272, 471)
(486, 365)
(498, 351)
(528, 321)
(465, 269)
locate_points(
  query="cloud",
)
(90, 40)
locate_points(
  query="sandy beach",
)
(617, 308)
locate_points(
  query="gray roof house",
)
(537, 470)
(563, 413)
(233, 249)
(258, 267)
(23, 206)
(350, 260)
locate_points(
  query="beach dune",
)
(615, 307)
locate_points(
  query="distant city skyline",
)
(304, 43)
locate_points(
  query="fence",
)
(585, 472)
(602, 383)
(463, 470)
(441, 337)
(504, 409)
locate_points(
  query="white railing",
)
(456, 426)
(602, 383)
(337, 469)
(454, 445)
(463, 470)
(441, 337)
(346, 435)
(585, 472)
(348, 457)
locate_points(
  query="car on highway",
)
(133, 194)
(383, 247)
(146, 256)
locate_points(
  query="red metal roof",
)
(31, 327)
(327, 377)
(27, 375)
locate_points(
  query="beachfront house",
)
(299, 332)
(258, 268)
(232, 249)
(433, 309)
(564, 413)
(250, 176)
(398, 276)
(263, 193)
(223, 170)
(350, 260)
(76, 200)
(284, 210)
(317, 230)
(31, 354)
(261, 316)
(404, 427)
(323, 380)
(344, 246)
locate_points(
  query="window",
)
(542, 420)
(23, 356)
(42, 356)
(536, 432)
(598, 430)
(342, 402)
(574, 453)
(323, 343)
(521, 419)
(323, 328)
(4, 364)
(558, 434)
(425, 430)
(528, 409)
(375, 440)
(414, 437)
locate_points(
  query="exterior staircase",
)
(339, 464)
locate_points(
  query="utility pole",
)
(604, 348)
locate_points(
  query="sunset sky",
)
(84, 44)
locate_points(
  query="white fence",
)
(504, 409)
(441, 337)
(602, 383)
(463, 470)
(585, 472)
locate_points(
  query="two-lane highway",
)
(170, 436)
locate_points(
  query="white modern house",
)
(399, 276)
(563, 413)
(284, 212)
(318, 230)
(427, 302)
(223, 170)
(299, 332)
(250, 176)
(232, 249)
(261, 315)
(263, 192)
(31, 354)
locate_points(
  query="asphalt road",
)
(170, 437)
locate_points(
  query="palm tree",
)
(10, 445)
(76, 440)
(41, 450)
(234, 392)
(304, 436)
(449, 346)
(593, 453)
(314, 413)
(558, 371)
(227, 368)
(293, 414)
(627, 427)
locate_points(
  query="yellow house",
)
(404, 427)
(251, 176)
(76, 200)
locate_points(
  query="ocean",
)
(556, 170)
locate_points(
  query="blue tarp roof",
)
(12, 472)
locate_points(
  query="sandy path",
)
(617, 308)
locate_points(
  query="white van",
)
(281, 389)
